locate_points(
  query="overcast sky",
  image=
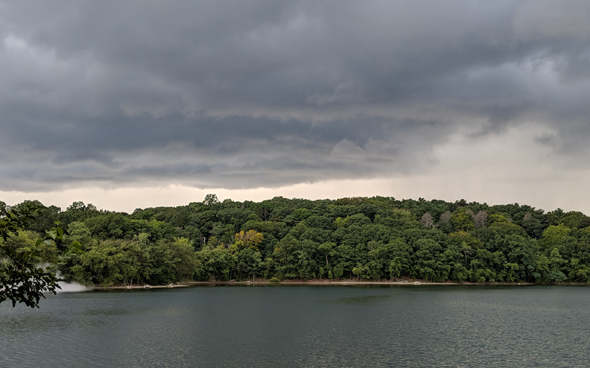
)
(131, 104)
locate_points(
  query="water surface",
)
(302, 326)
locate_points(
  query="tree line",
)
(377, 238)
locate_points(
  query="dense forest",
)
(378, 238)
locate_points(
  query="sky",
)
(146, 103)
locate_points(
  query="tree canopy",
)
(374, 238)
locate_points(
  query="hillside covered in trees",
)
(374, 238)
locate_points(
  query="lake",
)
(303, 326)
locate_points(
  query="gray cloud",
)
(269, 93)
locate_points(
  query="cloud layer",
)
(271, 93)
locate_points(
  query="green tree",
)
(210, 199)
(462, 221)
(21, 279)
(327, 250)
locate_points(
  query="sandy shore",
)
(310, 283)
(346, 282)
(132, 287)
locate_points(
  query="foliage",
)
(22, 278)
(366, 238)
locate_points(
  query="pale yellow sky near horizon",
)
(504, 168)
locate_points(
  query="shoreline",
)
(262, 282)
(137, 287)
(353, 282)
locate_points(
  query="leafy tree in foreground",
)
(21, 279)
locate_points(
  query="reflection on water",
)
(365, 300)
(302, 326)
(108, 311)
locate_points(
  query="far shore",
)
(320, 282)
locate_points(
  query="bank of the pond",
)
(348, 282)
(264, 282)
(134, 287)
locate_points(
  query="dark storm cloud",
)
(250, 94)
